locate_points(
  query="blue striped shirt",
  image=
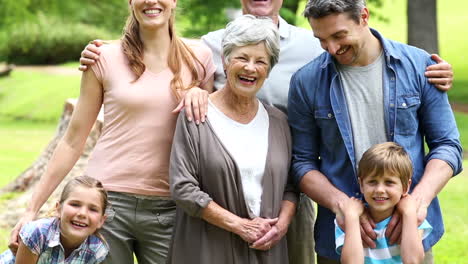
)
(384, 253)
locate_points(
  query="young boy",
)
(384, 173)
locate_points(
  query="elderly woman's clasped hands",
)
(259, 232)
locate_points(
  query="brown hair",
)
(86, 182)
(387, 157)
(179, 54)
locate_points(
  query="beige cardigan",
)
(201, 170)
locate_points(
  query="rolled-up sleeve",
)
(304, 131)
(183, 169)
(440, 128)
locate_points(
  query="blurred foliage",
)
(108, 14)
(44, 29)
(203, 16)
(48, 40)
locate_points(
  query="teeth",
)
(79, 224)
(251, 79)
(152, 11)
(380, 199)
(341, 51)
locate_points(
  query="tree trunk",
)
(422, 24)
(21, 188)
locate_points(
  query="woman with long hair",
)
(140, 80)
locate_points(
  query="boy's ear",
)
(360, 184)
(408, 187)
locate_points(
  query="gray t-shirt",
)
(363, 89)
(298, 46)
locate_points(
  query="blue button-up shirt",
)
(322, 133)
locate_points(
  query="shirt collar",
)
(388, 49)
(382, 224)
(54, 236)
(284, 28)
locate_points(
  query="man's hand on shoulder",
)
(440, 74)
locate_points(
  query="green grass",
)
(21, 143)
(71, 64)
(36, 96)
(462, 123)
(459, 92)
(451, 249)
(4, 237)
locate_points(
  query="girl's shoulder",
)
(37, 234)
(44, 224)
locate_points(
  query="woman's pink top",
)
(132, 154)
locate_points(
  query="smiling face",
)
(382, 193)
(151, 13)
(247, 69)
(343, 37)
(261, 7)
(81, 214)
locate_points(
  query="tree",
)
(289, 10)
(203, 16)
(422, 24)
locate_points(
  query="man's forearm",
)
(436, 175)
(315, 185)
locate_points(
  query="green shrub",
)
(3, 46)
(49, 40)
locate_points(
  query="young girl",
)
(70, 237)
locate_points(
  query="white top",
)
(298, 46)
(248, 146)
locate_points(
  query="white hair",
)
(250, 30)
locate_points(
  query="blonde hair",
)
(90, 183)
(179, 54)
(389, 158)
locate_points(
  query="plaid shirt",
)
(42, 237)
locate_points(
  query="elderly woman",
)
(229, 176)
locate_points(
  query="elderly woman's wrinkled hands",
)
(252, 230)
(271, 238)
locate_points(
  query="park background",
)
(50, 35)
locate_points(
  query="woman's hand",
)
(251, 230)
(277, 231)
(90, 54)
(271, 238)
(195, 103)
(14, 235)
